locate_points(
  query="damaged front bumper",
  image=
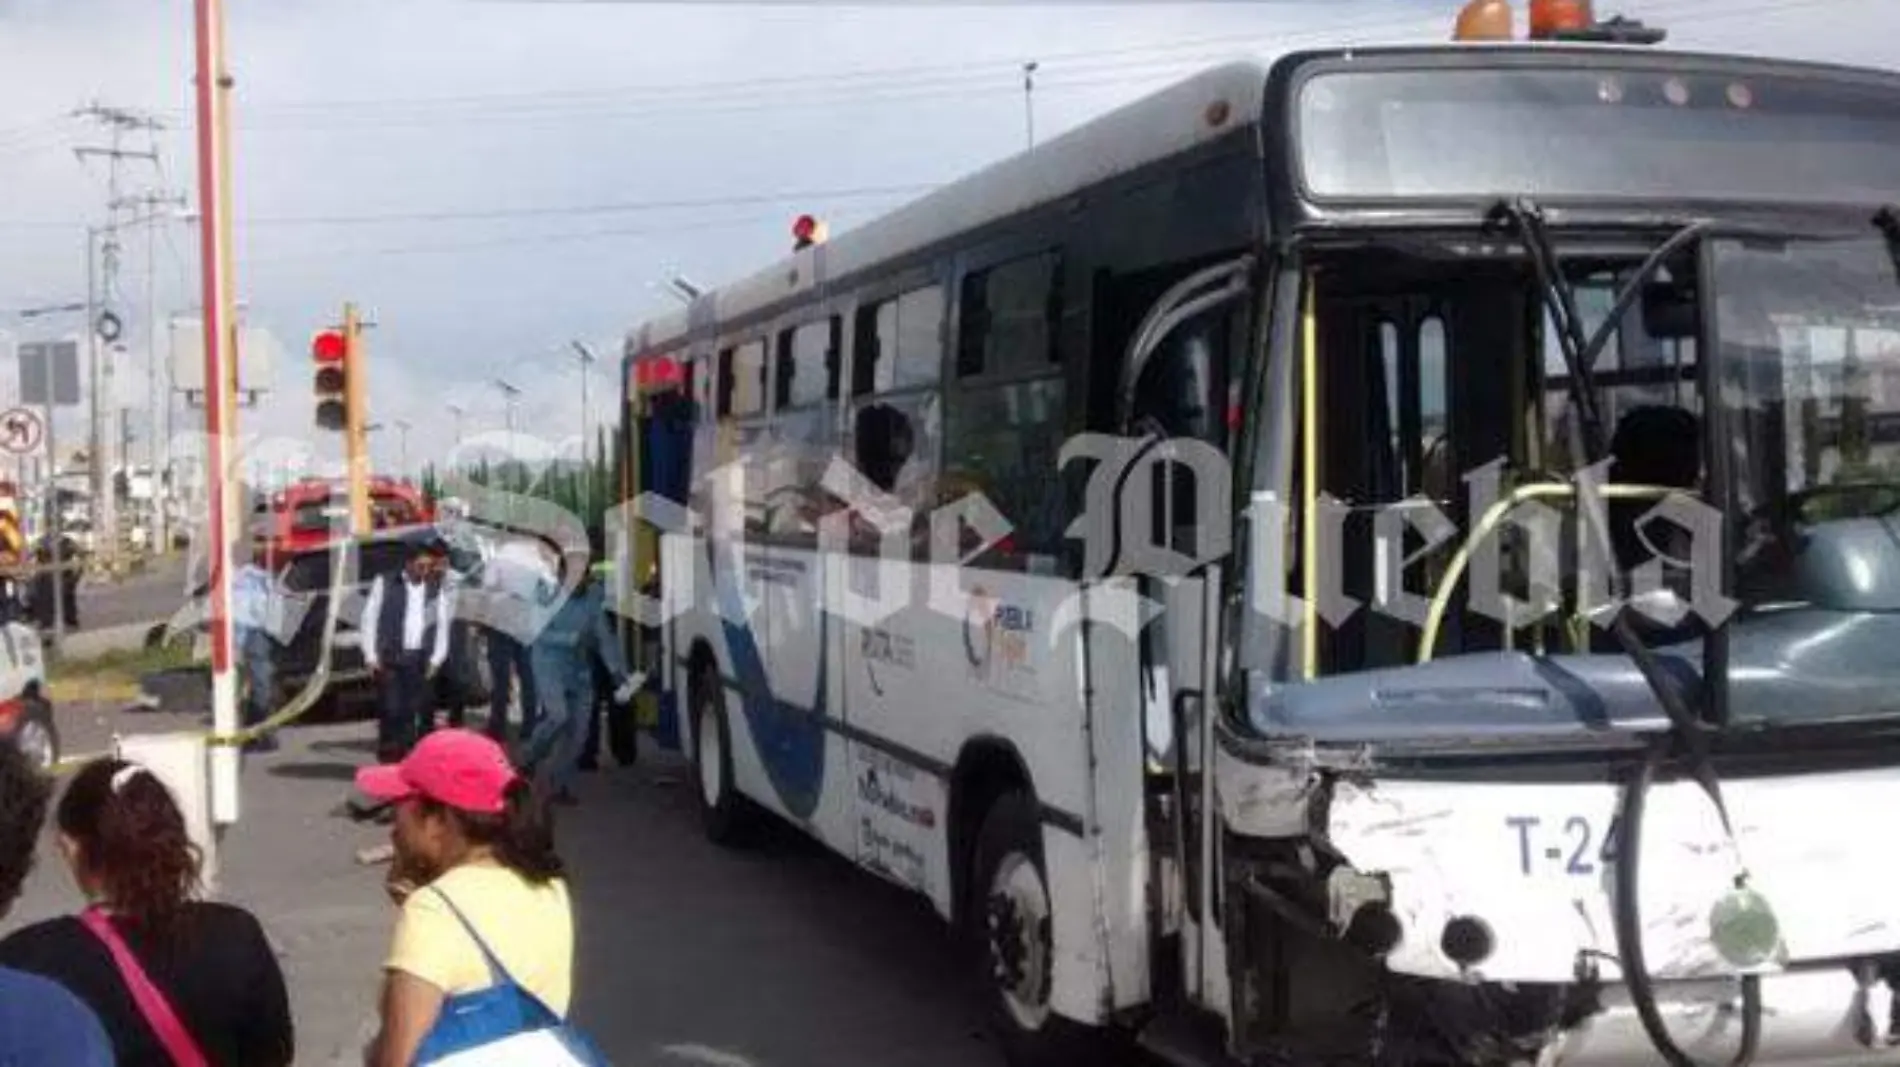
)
(1487, 903)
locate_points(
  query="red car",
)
(299, 517)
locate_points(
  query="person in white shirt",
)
(251, 604)
(405, 643)
(513, 570)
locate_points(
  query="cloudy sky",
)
(491, 179)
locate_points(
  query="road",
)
(149, 596)
(780, 957)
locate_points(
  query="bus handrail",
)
(1488, 523)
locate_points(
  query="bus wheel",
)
(723, 812)
(1015, 949)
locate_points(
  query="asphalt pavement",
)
(784, 956)
(149, 596)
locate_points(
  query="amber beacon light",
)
(1486, 20)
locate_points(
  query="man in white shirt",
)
(405, 630)
(513, 570)
(252, 608)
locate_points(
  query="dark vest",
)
(395, 606)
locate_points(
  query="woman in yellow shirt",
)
(469, 839)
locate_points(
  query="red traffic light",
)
(328, 347)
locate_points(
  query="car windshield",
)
(1810, 340)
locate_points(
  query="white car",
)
(26, 715)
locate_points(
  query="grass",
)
(114, 676)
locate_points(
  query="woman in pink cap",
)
(475, 868)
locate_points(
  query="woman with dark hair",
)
(174, 980)
(40, 1022)
(476, 875)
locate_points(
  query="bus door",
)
(1175, 397)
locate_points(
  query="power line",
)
(844, 81)
(564, 237)
(867, 86)
(960, 89)
(587, 209)
(813, 196)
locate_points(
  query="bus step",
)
(1185, 1040)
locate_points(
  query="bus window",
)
(725, 383)
(1002, 441)
(1009, 314)
(808, 363)
(1182, 394)
(892, 440)
(899, 343)
(1634, 370)
(742, 380)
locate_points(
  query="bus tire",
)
(1012, 911)
(724, 814)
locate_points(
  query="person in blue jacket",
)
(576, 631)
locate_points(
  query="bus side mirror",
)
(1671, 311)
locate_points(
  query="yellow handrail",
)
(1441, 597)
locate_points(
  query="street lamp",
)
(402, 436)
(509, 393)
(587, 359)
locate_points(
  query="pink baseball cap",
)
(460, 768)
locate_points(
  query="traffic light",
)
(331, 351)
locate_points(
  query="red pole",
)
(213, 229)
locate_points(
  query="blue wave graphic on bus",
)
(790, 740)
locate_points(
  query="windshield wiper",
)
(1691, 731)
(1580, 354)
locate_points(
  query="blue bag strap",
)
(497, 972)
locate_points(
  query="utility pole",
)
(355, 433)
(101, 284)
(402, 439)
(212, 99)
(458, 411)
(96, 468)
(157, 400)
(509, 392)
(1029, 100)
(587, 360)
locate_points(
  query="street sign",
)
(21, 431)
(49, 373)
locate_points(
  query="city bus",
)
(1382, 556)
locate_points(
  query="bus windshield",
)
(1810, 336)
(1598, 133)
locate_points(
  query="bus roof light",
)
(1550, 18)
(808, 230)
(1486, 20)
